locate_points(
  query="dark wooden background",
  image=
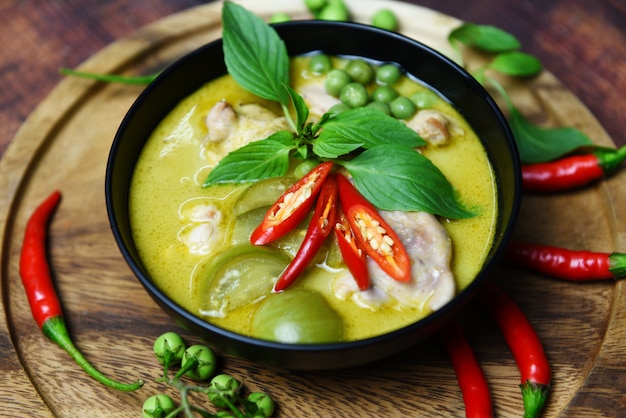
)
(582, 42)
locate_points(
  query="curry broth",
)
(172, 168)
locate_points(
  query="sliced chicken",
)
(430, 249)
(434, 126)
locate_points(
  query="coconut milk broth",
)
(173, 166)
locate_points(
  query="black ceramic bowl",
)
(195, 69)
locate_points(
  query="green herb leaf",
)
(362, 127)
(255, 161)
(485, 37)
(255, 55)
(399, 178)
(111, 78)
(516, 64)
(537, 144)
(302, 110)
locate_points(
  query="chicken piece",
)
(220, 121)
(201, 232)
(432, 283)
(433, 126)
(317, 99)
(231, 127)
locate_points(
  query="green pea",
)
(279, 17)
(388, 74)
(315, 5)
(385, 19)
(360, 71)
(304, 167)
(320, 64)
(336, 80)
(424, 99)
(334, 10)
(297, 316)
(384, 94)
(354, 95)
(224, 387)
(263, 402)
(380, 106)
(402, 107)
(338, 108)
(157, 406)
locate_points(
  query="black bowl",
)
(206, 63)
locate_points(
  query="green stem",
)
(610, 159)
(55, 329)
(534, 396)
(111, 78)
(290, 120)
(617, 265)
(191, 364)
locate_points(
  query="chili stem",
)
(111, 78)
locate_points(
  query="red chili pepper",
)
(321, 224)
(41, 295)
(351, 251)
(375, 236)
(571, 172)
(472, 381)
(525, 346)
(566, 264)
(292, 206)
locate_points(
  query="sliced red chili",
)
(292, 206)
(42, 297)
(571, 172)
(321, 224)
(375, 236)
(351, 251)
(469, 374)
(525, 345)
(566, 264)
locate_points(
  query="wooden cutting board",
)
(64, 144)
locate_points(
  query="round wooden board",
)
(64, 144)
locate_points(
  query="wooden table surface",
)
(581, 42)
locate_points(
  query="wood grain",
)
(64, 143)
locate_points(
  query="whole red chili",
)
(469, 374)
(566, 264)
(41, 295)
(321, 225)
(524, 344)
(571, 172)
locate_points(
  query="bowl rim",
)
(445, 311)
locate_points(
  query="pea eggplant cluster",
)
(359, 228)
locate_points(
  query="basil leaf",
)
(516, 64)
(254, 54)
(362, 127)
(537, 144)
(255, 161)
(485, 37)
(302, 110)
(398, 178)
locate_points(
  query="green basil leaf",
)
(302, 110)
(362, 127)
(485, 37)
(254, 54)
(255, 161)
(537, 144)
(398, 178)
(516, 64)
